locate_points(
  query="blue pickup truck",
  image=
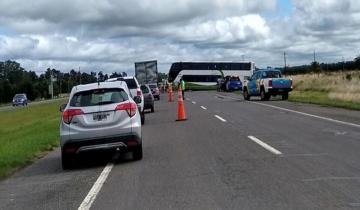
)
(266, 83)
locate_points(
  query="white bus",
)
(203, 75)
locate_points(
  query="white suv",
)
(135, 90)
(100, 116)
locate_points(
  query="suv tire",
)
(66, 161)
(152, 109)
(142, 115)
(138, 153)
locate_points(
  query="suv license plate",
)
(99, 117)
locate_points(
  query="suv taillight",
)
(130, 108)
(138, 92)
(270, 83)
(70, 113)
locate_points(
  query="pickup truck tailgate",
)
(281, 83)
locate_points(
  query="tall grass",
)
(26, 133)
(340, 86)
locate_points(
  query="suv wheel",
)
(138, 153)
(142, 118)
(66, 161)
(152, 109)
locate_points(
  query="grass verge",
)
(192, 86)
(27, 133)
(321, 98)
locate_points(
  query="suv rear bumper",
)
(124, 143)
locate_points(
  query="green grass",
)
(27, 133)
(321, 98)
(191, 86)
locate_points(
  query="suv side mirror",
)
(137, 99)
(62, 107)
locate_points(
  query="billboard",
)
(146, 72)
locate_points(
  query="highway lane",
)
(220, 158)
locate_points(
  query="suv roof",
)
(91, 86)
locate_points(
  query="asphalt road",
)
(229, 154)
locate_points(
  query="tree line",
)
(316, 67)
(15, 79)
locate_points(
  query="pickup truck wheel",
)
(262, 95)
(152, 109)
(138, 153)
(285, 96)
(246, 94)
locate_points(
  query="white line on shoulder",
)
(309, 115)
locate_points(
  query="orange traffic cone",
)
(170, 94)
(181, 108)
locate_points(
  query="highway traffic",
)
(228, 154)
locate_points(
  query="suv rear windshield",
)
(19, 96)
(144, 89)
(98, 97)
(131, 83)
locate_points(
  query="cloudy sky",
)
(111, 35)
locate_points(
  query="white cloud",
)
(111, 34)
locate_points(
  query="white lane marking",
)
(264, 145)
(301, 113)
(193, 102)
(330, 178)
(203, 107)
(306, 155)
(309, 115)
(220, 118)
(91, 196)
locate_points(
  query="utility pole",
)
(284, 61)
(343, 63)
(60, 83)
(51, 84)
(314, 57)
(80, 75)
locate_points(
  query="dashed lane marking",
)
(265, 145)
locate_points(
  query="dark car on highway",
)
(20, 99)
(148, 97)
